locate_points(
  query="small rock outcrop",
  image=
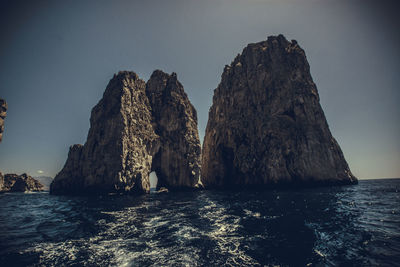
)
(1, 182)
(45, 181)
(20, 183)
(3, 113)
(133, 132)
(266, 126)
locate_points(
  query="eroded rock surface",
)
(177, 163)
(127, 140)
(266, 126)
(21, 183)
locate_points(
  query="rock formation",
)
(21, 183)
(177, 163)
(135, 129)
(120, 143)
(266, 126)
(3, 113)
(1, 182)
(14, 182)
(45, 181)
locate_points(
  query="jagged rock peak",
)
(266, 126)
(128, 139)
(163, 83)
(3, 113)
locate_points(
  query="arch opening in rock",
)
(153, 180)
(155, 127)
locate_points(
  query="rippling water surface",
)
(348, 226)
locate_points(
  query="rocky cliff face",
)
(266, 126)
(177, 162)
(121, 141)
(127, 140)
(21, 183)
(3, 113)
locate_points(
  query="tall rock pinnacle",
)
(177, 163)
(129, 137)
(266, 126)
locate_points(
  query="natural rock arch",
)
(177, 163)
(136, 128)
(153, 179)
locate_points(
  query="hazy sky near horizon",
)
(56, 58)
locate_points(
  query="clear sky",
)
(56, 58)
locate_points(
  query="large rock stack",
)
(266, 126)
(177, 163)
(132, 133)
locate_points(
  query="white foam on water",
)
(252, 213)
(225, 233)
(112, 247)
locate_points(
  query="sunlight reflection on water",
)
(348, 225)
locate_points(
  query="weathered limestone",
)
(266, 126)
(130, 136)
(177, 163)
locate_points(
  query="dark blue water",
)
(338, 226)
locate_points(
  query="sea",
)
(355, 225)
